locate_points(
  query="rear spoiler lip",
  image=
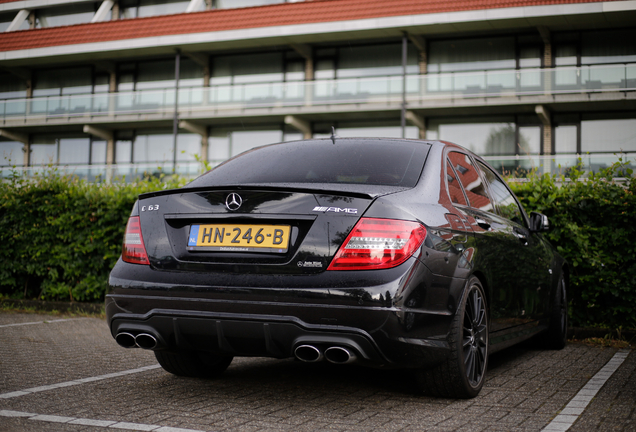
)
(357, 191)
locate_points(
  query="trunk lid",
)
(275, 230)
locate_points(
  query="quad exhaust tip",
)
(146, 341)
(126, 340)
(339, 355)
(308, 353)
(142, 340)
(334, 354)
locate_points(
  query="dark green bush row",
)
(60, 237)
(594, 227)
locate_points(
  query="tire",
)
(193, 364)
(462, 374)
(556, 336)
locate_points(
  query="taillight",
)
(378, 244)
(133, 250)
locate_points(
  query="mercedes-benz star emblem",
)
(233, 201)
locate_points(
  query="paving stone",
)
(525, 389)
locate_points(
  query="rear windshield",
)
(354, 161)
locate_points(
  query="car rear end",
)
(283, 252)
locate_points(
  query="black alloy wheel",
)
(475, 337)
(556, 335)
(462, 374)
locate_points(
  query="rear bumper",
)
(372, 322)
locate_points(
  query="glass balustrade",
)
(117, 172)
(361, 90)
(516, 166)
(521, 165)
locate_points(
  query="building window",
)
(610, 136)
(58, 82)
(65, 15)
(244, 69)
(11, 153)
(229, 4)
(484, 139)
(374, 60)
(155, 148)
(472, 55)
(147, 8)
(12, 87)
(529, 140)
(614, 46)
(223, 145)
(47, 150)
(188, 147)
(566, 139)
(357, 130)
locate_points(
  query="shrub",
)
(592, 226)
(61, 236)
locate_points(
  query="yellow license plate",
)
(239, 238)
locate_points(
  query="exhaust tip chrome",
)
(308, 353)
(126, 340)
(146, 341)
(339, 355)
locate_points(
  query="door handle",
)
(522, 237)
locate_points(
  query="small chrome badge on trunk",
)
(315, 264)
(335, 210)
(233, 201)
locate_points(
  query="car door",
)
(528, 252)
(491, 239)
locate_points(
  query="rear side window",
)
(454, 188)
(355, 161)
(506, 204)
(471, 181)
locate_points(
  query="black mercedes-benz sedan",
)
(389, 253)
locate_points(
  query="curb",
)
(581, 333)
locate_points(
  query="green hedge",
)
(61, 236)
(593, 224)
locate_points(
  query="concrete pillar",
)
(32, 20)
(109, 136)
(306, 51)
(201, 130)
(546, 120)
(420, 44)
(300, 124)
(418, 121)
(21, 16)
(103, 10)
(547, 59)
(194, 6)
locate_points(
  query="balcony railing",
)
(517, 166)
(368, 90)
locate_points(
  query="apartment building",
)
(122, 87)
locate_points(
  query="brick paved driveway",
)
(70, 375)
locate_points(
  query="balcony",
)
(517, 166)
(470, 88)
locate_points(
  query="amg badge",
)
(335, 210)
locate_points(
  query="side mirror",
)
(539, 222)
